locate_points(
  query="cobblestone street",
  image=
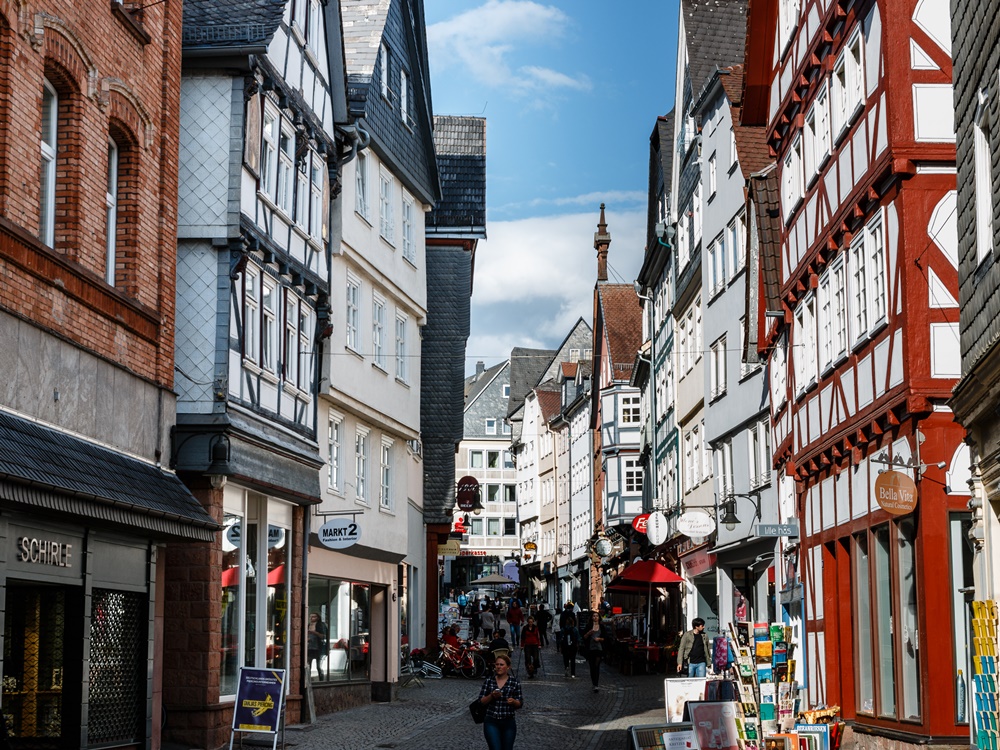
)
(558, 713)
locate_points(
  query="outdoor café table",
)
(651, 654)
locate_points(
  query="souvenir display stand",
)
(986, 700)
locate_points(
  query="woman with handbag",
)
(501, 696)
(593, 642)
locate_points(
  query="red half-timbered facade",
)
(864, 351)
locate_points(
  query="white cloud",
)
(535, 277)
(483, 38)
(619, 197)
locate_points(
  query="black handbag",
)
(478, 710)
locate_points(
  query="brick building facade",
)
(88, 185)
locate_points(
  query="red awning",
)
(276, 577)
(644, 574)
(230, 577)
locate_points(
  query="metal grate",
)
(118, 661)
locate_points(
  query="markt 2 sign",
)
(339, 533)
(895, 493)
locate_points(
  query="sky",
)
(570, 90)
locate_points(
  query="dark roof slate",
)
(230, 23)
(526, 367)
(144, 495)
(715, 36)
(460, 143)
(475, 385)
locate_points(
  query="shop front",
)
(355, 626)
(81, 576)
(701, 597)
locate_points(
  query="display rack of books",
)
(764, 671)
(984, 679)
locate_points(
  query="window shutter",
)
(251, 141)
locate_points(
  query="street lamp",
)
(729, 519)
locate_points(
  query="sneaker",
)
(596, 689)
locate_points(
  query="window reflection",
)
(277, 596)
(340, 615)
(232, 544)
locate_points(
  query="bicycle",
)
(467, 660)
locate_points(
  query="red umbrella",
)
(644, 575)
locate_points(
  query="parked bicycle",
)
(465, 660)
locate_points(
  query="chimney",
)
(602, 240)
(480, 368)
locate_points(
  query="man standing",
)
(694, 649)
(543, 619)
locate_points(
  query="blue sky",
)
(571, 90)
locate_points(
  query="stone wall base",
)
(863, 740)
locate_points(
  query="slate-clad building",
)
(262, 97)
(88, 178)
(453, 230)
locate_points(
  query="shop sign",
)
(530, 546)
(39, 552)
(639, 522)
(656, 528)
(258, 700)
(896, 493)
(698, 562)
(695, 523)
(777, 529)
(451, 547)
(467, 493)
(234, 535)
(472, 553)
(339, 533)
(44, 552)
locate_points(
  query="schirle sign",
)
(467, 493)
(639, 522)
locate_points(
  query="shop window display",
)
(344, 612)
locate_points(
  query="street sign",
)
(530, 546)
(452, 547)
(777, 529)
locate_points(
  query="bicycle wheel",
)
(468, 666)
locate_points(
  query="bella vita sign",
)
(895, 493)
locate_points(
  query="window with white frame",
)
(361, 464)
(251, 315)
(712, 175)
(385, 491)
(286, 168)
(759, 444)
(821, 113)
(574, 355)
(691, 462)
(404, 96)
(725, 268)
(706, 456)
(316, 206)
(506, 390)
(809, 145)
(305, 353)
(402, 359)
(378, 331)
(805, 344)
(734, 158)
(475, 459)
(409, 230)
(791, 178)
(983, 154)
(301, 207)
(491, 426)
(633, 476)
(696, 209)
(476, 527)
(848, 83)
(269, 325)
(697, 331)
(629, 409)
(683, 246)
(867, 273)
(361, 204)
(718, 368)
(788, 16)
(383, 69)
(386, 220)
(737, 231)
(111, 212)
(778, 371)
(335, 457)
(492, 527)
(314, 33)
(269, 149)
(353, 321)
(299, 19)
(505, 427)
(47, 198)
(290, 345)
(833, 313)
(724, 467)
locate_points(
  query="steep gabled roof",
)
(766, 194)
(474, 386)
(569, 370)
(364, 24)
(549, 402)
(752, 150)
(715, 37)
(622, 317)
(460, 143)
(230, 23)
(526, 367)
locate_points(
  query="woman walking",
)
(569, 640)
(501, 694)
(593, 644)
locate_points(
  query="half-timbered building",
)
(263, 98)
(859, 278)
